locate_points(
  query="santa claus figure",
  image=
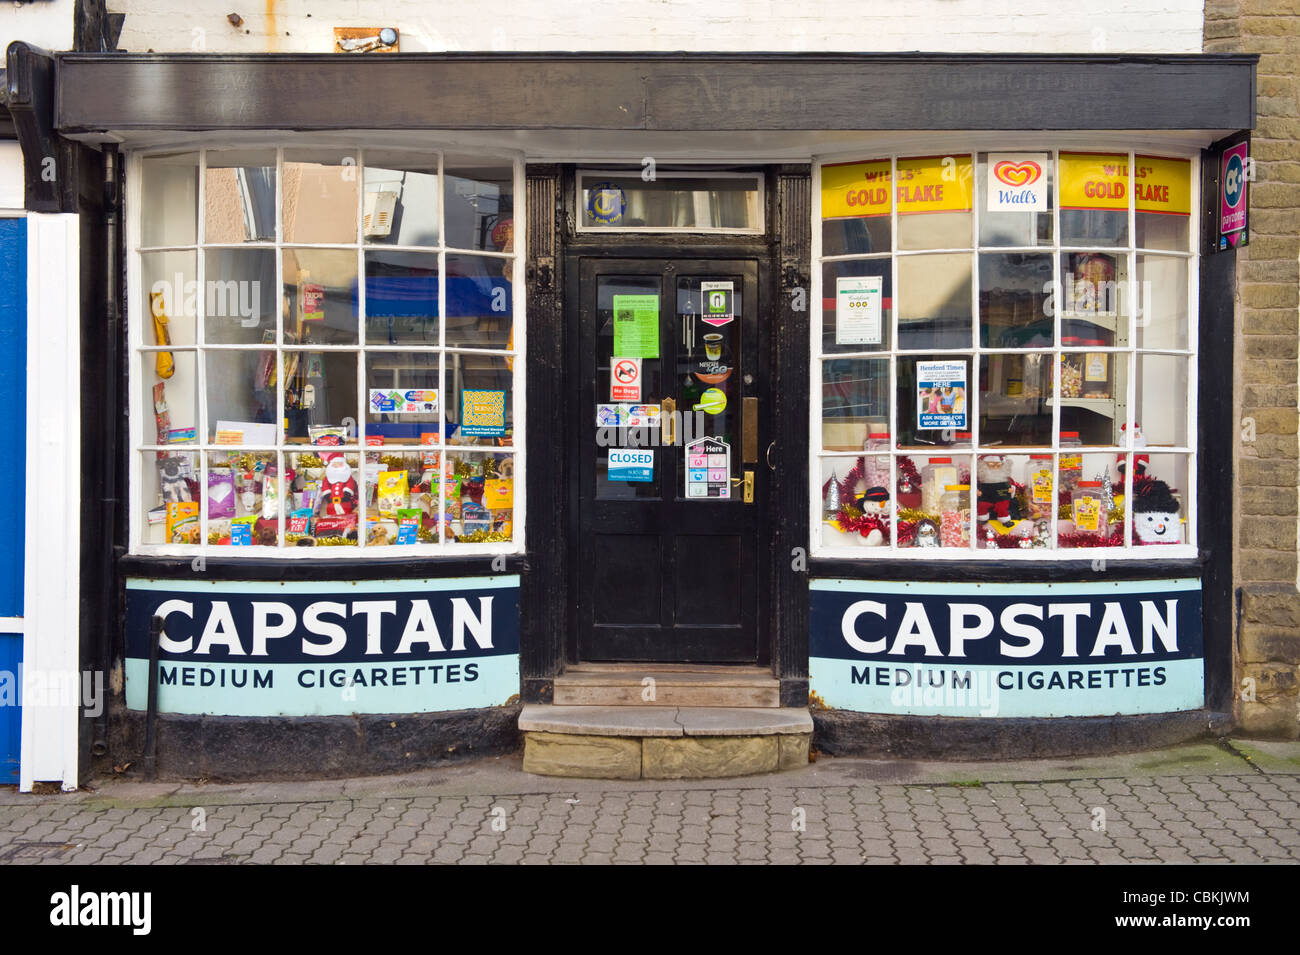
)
(994, 489)
(338, 487)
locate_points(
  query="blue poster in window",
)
(941, 394)
(482, 413)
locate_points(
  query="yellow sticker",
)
(712, 401)
(1163, 185)
(1087, 514)
(856, 189)
(1094, 181)
(934, 184)
(1042, 484)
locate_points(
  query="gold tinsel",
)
(1066, 513)
(310, 460)
(479, 537)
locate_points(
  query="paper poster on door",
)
(941, 394)
(1018, 182)
(627, 464)
(716, 303)
(708, 469)
(857, 309)
(636, 326)
(625, 379)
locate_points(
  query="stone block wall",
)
(1268, 332)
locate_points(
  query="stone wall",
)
(1268, 460)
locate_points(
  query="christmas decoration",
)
(994, 489)
(339, 487)
(831, 496)
(1155, 514)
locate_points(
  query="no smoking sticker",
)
(625, 379)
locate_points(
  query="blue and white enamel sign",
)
(1007, 650)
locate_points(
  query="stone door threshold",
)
(663, 742)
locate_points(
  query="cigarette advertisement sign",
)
(1094, 181)
(306, 648)
(934, 184)
(1007, 650)
(856, 189)
(1163, 185)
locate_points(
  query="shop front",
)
(881, 389)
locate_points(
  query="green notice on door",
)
(636, 326)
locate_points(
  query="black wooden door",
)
(667, 543)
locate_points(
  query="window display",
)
(1032, 316)
(317, 365)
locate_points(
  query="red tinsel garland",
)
(863, 524)
(907, 473)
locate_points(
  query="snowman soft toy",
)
(339, 487)
(875, 503)
(1155, 514)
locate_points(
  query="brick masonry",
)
(1267, 459)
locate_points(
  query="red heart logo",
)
(1018, 173)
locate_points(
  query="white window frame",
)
(897, 148)
(585, 174)
(141, 418)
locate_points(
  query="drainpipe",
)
(109, 428)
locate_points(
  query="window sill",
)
(340, 568)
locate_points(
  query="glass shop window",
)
(671, 201)
(324, 352)
(1006, 355)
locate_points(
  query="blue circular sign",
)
(605, 202)
(1234, 178)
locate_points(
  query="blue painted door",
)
(13, 437)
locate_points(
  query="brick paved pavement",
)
(1235, 813)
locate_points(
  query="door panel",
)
(666, 574)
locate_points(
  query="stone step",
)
(621, 684)
(663, 742)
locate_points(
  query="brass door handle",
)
(668, 421)
(748, 482)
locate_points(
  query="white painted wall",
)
(975, 26)
(52, 580)
(12, 188)
(47, 24)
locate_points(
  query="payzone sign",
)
(1232, 198)
(1007, 650)
(273, 648)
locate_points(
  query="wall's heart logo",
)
(1018, 173)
